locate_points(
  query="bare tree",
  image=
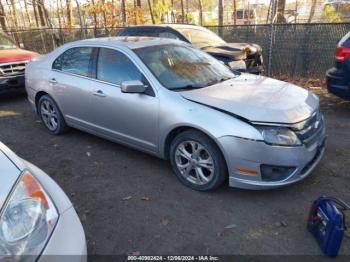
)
(58, 15)
(35, 10)
(27, 12)
(312, 10)
(234, 12)
(182, 12)
(80, 17)
(95, 19)
(151, 11)
(104, 15)
(221, 16)
(14, 13)
(123, 13)
(2, 17)
(281, 5)
(41, 12)
(69, 12)
(200, 5)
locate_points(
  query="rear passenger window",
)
(115, 67)
(75, 61)
(165, 34)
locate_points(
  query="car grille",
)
(312, 130)
(12, 69)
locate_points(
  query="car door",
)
(71, 84)
(130, 118)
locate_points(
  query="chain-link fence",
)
(297, 50)
(291, 50)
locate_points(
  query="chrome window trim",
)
(95, 79)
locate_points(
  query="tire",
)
(197, 161)
(51, 116)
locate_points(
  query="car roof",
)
(173, 26)
(131, 42)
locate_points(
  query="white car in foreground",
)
(36, 217)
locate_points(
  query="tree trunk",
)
(312, 10)
(58, 15)
(200, 5)
(69, 12)
(80, 18)
(182, 12)
(41, 13)
(220, 16)
(104, 15)
(234, 12)
(95, 19)
(150, 11)
(14, 12)
(281, 4)
(27, 12)
(35, 10)
(2, 17)
(123, 13)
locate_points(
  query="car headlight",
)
(237, 65)
(27, 220)
(279, 136)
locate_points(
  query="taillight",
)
(342, 53)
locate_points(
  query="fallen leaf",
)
(88, 153)
(164, 221)
(127, 198)
(145, 198)
(230, 226)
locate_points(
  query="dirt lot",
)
(130, 202)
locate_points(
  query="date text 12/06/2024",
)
(173, 258)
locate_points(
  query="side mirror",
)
(133, 86)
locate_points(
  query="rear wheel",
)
(197, 161)
(51, 115)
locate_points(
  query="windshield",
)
(183, 67)
(201, 37)
(5, 42)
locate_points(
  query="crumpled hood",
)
(258, 99)
(9, 174)
(16, 55)
(248, 47)
(226, 51)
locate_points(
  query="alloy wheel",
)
(194, 162)
(49, 115)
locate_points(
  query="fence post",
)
(271, 38)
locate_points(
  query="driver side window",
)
(115, 67)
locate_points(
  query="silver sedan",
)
(176, 102)
(37, 220)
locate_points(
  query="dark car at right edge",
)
(338, 77)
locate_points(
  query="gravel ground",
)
(131, 203)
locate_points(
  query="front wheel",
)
(197, 161)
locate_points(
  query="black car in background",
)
(232, 54)
(338, 77)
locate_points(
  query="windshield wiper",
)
(219, 81)
(187, 87)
